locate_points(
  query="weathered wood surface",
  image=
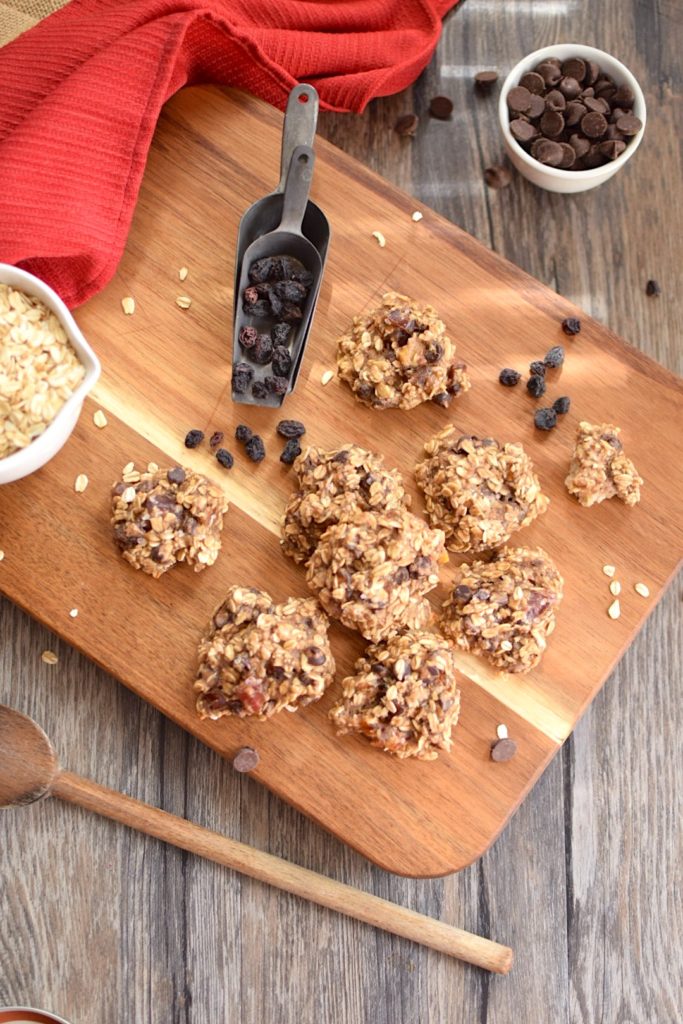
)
(583, 882)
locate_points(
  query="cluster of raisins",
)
(194, 438)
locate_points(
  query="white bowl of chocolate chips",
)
(571, 116)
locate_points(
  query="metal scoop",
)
(286, 240)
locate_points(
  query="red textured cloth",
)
(81, 92)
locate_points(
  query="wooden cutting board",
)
(165, 371)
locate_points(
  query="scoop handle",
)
(301, 118)
(297, 187)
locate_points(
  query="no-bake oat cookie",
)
(478, 491)
(372, 569)
(259, 657)
(168, 516)
(403, 696)
(399, 355)
(599, 469)
(504, 609)
(331, 484)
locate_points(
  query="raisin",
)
(216, 438)
(443, 399)
(259, 308)
(176, 475)
(290, 451)
(571, 325)
(291, 428)
(262, 351)
(561, 405)
(266, 269)
(545, 419)
(243, 433)
(280, 333)
(535, 385)
(653, 288)
(255, 448)
(193, 438)
(248, 336)
(276, 303)
(555, 357)
(315, 656)
(292, 313)
(508, 377)
(433, 352)
(242, 376)
(225, 458)
(276, 385)
(282, 361)
(250, 295)
(259, 389)
(537, 368)
(290, 291)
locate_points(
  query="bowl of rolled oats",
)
(46, 370)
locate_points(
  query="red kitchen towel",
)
(81, 92)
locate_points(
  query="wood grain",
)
(584, 880)
(165, 369)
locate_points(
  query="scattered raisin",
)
(545, 419)
(259, 389)
(193, 438)
(290, 451)
(555, 357)
(276, 385)
(280, 333)
(561, 405)
(537, 368)
(248, 336)
(535, 385)
(255, 448)
(225, 458)
(653, 288)
(243, 433)
(571, 325)
(216, 438)
(508, 377)
(242, 376)
(291, 428)
(282, 361)
(262, 351)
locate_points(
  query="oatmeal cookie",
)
(372, 570)
(403, 696)
(478, 491)
(168, 516)
(330, 485)
(259, 657)
(504, 609)
(599, 469)
(399, 355)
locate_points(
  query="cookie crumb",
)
(381, 240)
(99, 419)
(128, 305)
(640, 588)
(49, 657)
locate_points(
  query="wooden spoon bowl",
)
(28, 765)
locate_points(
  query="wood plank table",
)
(584, 881)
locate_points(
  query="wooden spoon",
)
(29, 771)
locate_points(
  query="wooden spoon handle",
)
(280, 873)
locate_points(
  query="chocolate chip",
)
(496, 177)
(522, 131)
(549, 72)
(441, 107)
(612, 148)
(574, 68)
(555, 100)
(570, 88)
(406, 125)
(594, 158)
(176, 475)
(592, 72)
(549, 152)
(485, 80)
(653, 288)
(624, 97)
(597, 106)
(574, 113)
(536, 107)
(503, 750)
(552, 124)
(605, 88)
(315, 656)
(462, 593)
(533, 82)
(579, 144)
(518, 99)
(629, 125)
(246, 759)
(614, 133)
(593, 125)
(568, 156)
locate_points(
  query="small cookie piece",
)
(372, 569)
(399, 355)
(403, 696)
(333, 483)
(259, 657)
(478, 491)
(599, 469)
(168, 516)
(504, 609)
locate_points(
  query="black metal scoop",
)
(286, 240)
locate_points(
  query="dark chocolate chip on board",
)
(653, 288)
(441, 107)
(484, 81)
(503, 750)
(406, 125)
(497, 177)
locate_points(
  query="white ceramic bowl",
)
(554, 179)
(40, 451)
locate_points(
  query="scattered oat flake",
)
(128, 495)
(2, 555)
(99, 419)
(615, 588)
(614, 610)
(327, 377)
(128, 305)
(182, 273)
(73, 613)
(184, 301)
(49, 657)
(80, 483)
(381, 240)
(502, 732)
(152, 467)
(609, 570)
(417, 216)
(642, 589)
(128, 468)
